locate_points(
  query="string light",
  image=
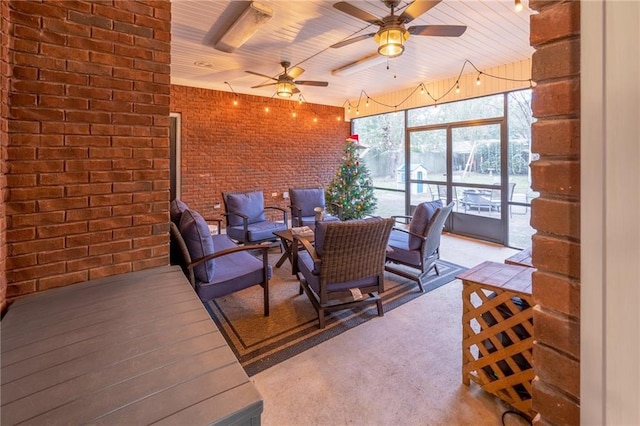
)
(235, 99)
(423, 90)
(266, 108)
(518, 6)
(367, 104)
(315, 119)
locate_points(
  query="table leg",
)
(287, 252)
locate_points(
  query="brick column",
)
(555, 34)
(88, 140)
(4, 112)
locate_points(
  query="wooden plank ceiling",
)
(302, 32)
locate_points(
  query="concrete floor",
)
(400, 369)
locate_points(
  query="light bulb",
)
(478, 80)
(518, 5)
(367, 104)
(457, 87)
(266, 109)
(422, 90)
(235, 102)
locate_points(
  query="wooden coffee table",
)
(286, 236)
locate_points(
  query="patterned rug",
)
(260, 342)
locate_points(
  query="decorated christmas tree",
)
(352, 187)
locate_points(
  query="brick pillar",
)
(555, 34)
(4, 112)
(88, 140)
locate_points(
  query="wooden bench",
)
(136, 348)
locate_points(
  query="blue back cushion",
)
(421, 217)
(176, 208)
(307, 199)
(197, 236)
(250, 204)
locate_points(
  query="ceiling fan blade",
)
(261, 75)
(417, 8)
(295, 90)
(263, 85)
(438, 30)
(295, 72)
(312, 83)
(349, 9)
(352, 40)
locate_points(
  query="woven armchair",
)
(345, 269)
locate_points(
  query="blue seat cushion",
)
(258, 231)
(310, 221)
(421, 217)
(399, 243)
(176, 208)
(307, 200)
(233, 271)
(305, 263)
(250, 204)
(197, 237)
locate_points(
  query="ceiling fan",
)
(392, 34)
(285, 84)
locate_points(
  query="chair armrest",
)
(406, 231)
(225, 252)
(401, 216)
(338, 209)
(218, 222)
(284, 211)
(297, 240)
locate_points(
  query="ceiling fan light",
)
(391, 41)
(284, 89)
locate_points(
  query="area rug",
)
(260, 342)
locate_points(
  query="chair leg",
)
(321, 317)
(379, 304)
(266, 299)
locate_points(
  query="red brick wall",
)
(4, 112)
(555, 34)
(88, 143)
(227, 147)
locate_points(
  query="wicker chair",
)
(345, 269)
